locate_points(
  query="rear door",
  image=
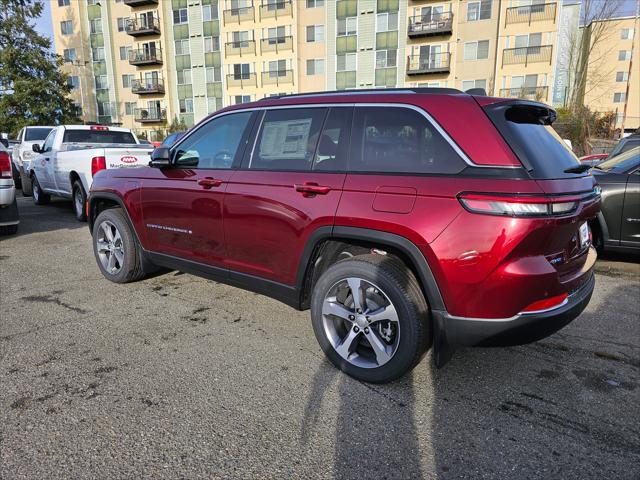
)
(630, 236)
(289, 185)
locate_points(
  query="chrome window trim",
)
(420, 110)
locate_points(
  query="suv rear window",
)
(97, 136)
(528, 131)
(36, 133)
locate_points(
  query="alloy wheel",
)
(110, 247)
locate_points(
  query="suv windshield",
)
(36, 133)
(527, 129)
(97, 136)
(623, 162)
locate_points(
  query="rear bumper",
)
(517, 330)
(9, 214)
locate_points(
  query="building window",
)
(238, 99)
(386, 22)
(184, 76)
(622, 76)
(476, 50)
(66, 27)
(241, 71)
(101, 82)
(122, 23)
(126, 80)
(479, 10)
(619, 97)
(213, 75)
(386, 58)
(346, 62)
(626, 34)
(469, 84)
(180, 16)
(624, 55)
(182, 47)
(124, 52)
(315, 3)
(315, 33)
(211, 44)
(276, 35)
(95, 25)
(277, 68)
(63, 3)
(97, 54)
(315, 66)
(129, 108)
(186, 105)
(347, 26)
(213, 104)
(73, 82)
(209, 12)
(69, 54)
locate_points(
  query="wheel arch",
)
(100, 201)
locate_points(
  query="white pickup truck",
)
(72, 154)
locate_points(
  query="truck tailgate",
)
(127, 157)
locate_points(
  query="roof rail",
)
(368, 91)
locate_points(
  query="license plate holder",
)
(584, 235)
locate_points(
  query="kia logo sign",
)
(129, 159)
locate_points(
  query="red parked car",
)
(401, 218)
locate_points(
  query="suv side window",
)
(333, 147)
(399, 140)
(287, 139)
(48, 143)
(214, 145)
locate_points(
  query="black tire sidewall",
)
(409, 346)
(41, 198)
(80, 216)
(115, 216)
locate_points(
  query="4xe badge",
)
(129, 159)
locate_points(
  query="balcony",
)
(430, 25)
(143, 25)
(150, 115)
(241, 47)
(145, 56)
(139, 3)
(239, 15)
(277, 77)
(526, 55)
(276, 9)
(147, 87)
(241, 80)
(531, 13)
(529, 93)
(276, 44)
(436, 63)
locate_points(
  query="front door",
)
(182, 205)
(46, 163)
(289, 185)
(630, 235)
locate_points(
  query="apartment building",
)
(613, 77)
(143, 63)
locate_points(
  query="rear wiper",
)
(578, 169)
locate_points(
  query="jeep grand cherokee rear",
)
(397, 223)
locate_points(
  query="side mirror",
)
(5, 142)
(36, 148)
(160, 157)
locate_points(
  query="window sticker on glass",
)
(286, 139)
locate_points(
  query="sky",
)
(44, 26)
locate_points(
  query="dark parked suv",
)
(401, 218)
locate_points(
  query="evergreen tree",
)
(33, 90)
(177, 125)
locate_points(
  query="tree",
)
(177, 125)
(33, 90)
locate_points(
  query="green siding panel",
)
(214, 90)
(181, 32)
(346, 44)
(97, 40)
(183, 62)
(346, 8)
(386, 77)
(93, 12)
(345, 80)
(185, 91)
(211, 28)
(386, 40)
(178, 4)
(100, 68)
(188, 119)
(388, 6)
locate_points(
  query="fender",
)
(603, 228)
(91, 217)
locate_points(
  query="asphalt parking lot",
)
(179, 377)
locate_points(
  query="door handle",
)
(311, 189)
(208, 182)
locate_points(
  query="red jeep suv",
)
(401, 218)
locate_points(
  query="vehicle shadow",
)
(57, 215)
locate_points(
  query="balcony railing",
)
(527, 55)
(143, 25)
(276, 44)
(529, 93)
(531, 13)
(276, 9)
(426, 25)
(435, 63)
(241, 47)
(145, 87)
(241, 80)
(144, 56)
(277, 77)
(150, 115)
(239, 15)
(140, 3)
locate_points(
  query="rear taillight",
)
(5, 165)
(97, 164)
(518, 205)
(546, 304)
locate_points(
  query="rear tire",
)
(79, 201)
(16, 176)
(27, 187)
(394, 316)
(39, 197)
(115, 247)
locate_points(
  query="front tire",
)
(370, 317)
(39, 197)
(116, 248)
(79, 201)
